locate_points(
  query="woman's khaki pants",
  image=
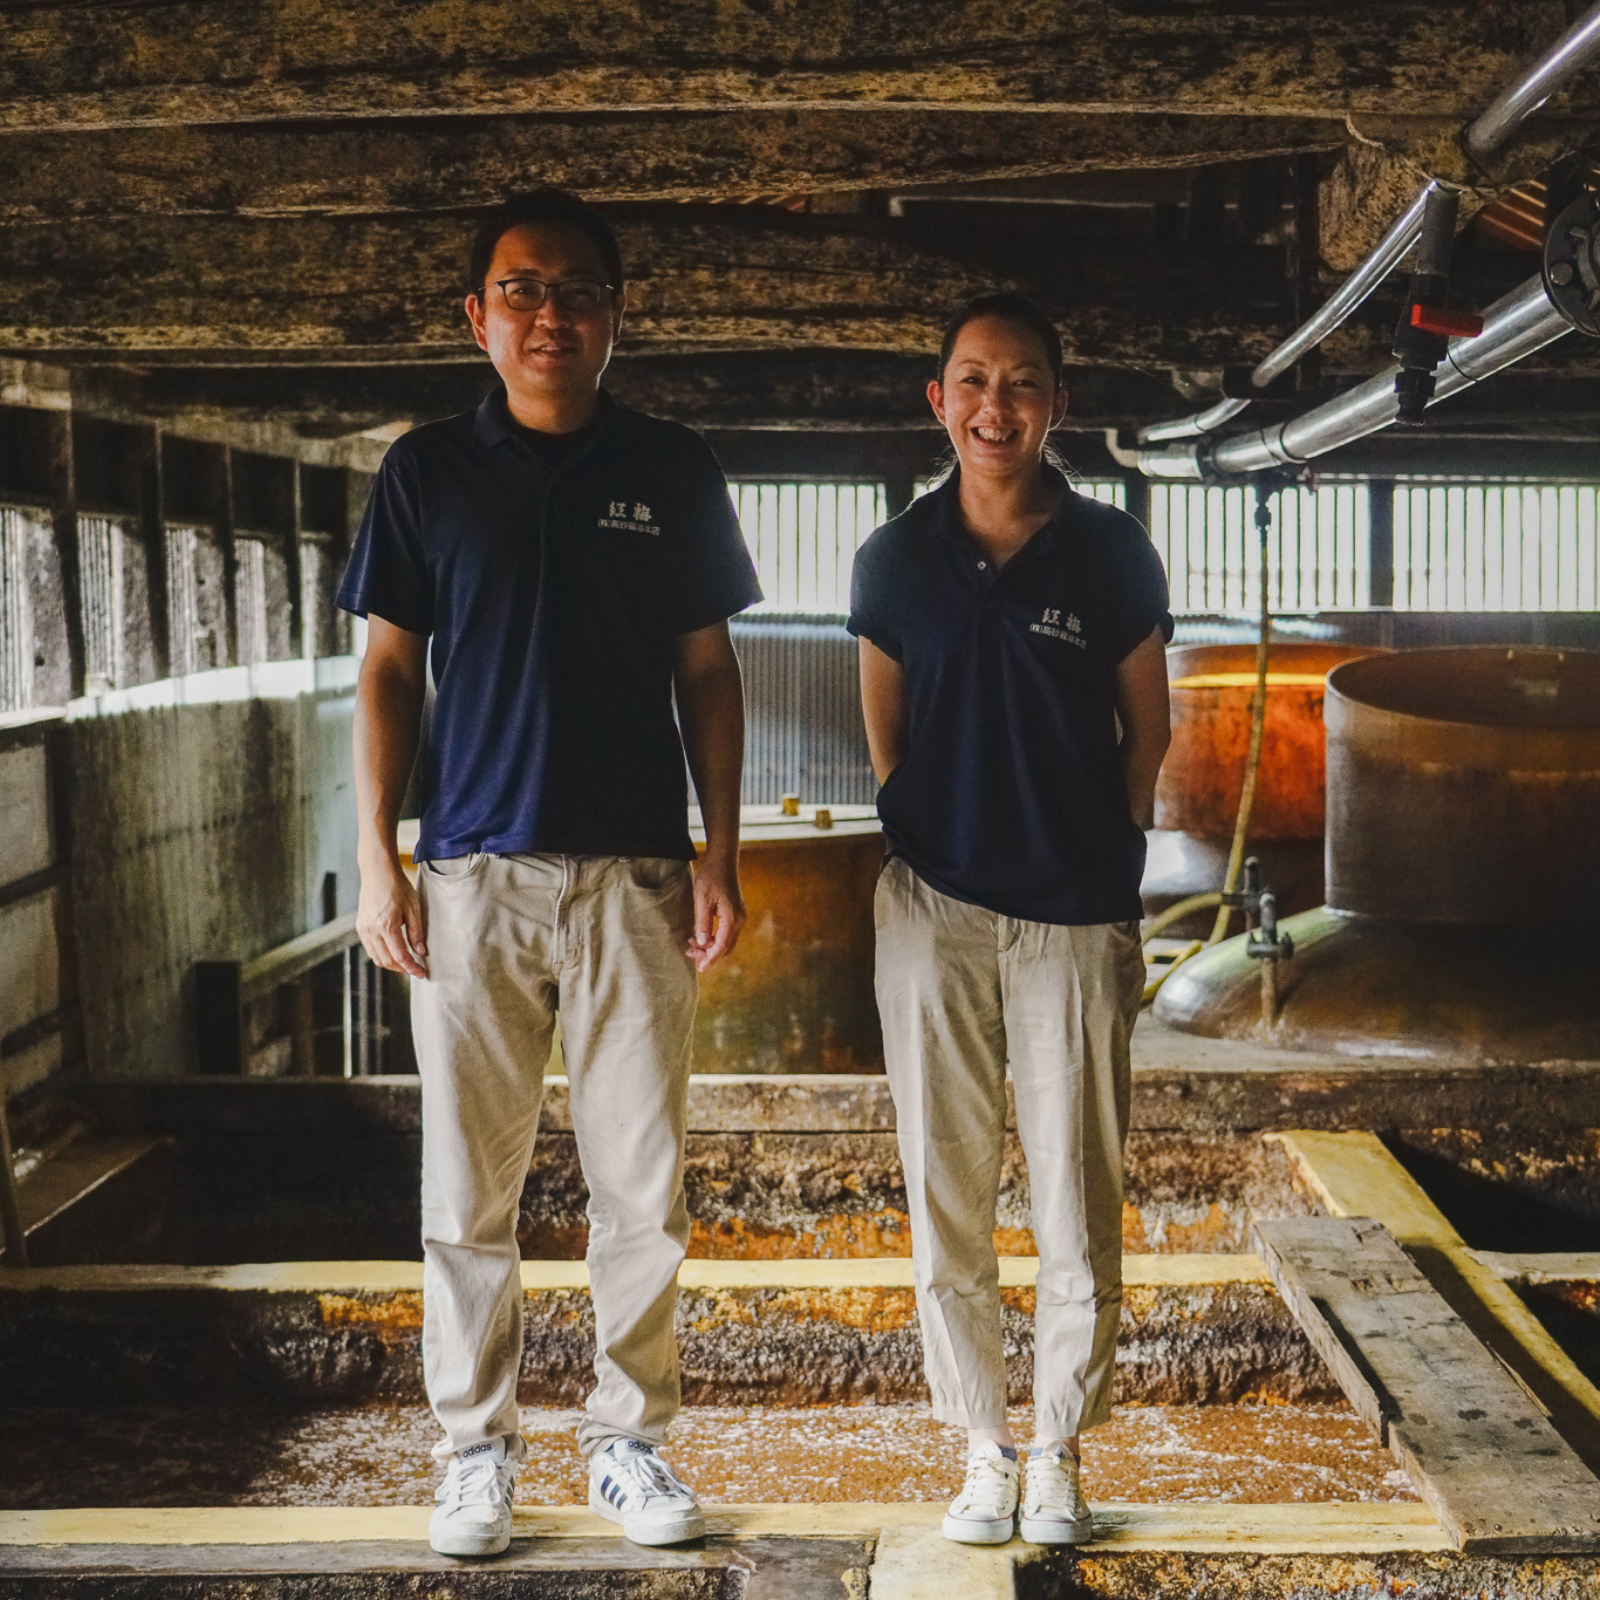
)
(961, 990)
(512, 940)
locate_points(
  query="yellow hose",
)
(1152, 985)
(1178, 911)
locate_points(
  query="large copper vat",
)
(1463, 861)
(796, 994)
(1197, 795)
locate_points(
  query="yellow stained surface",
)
(380, 1277)
(1247, 680)
(1264, 1529)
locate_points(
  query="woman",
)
(1010, 630)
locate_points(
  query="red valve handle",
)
(1435, 319)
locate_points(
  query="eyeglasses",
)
(578, 295)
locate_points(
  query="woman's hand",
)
(1145, 712)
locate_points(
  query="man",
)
(575, 564)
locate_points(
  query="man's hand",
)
(718, 911)
(390, 920)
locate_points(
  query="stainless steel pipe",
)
(1387, 255)
(1513, 327)
(1515, 104)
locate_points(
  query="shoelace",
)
(1050, 1484)
(472, 1481)
(650, 1476)
(987, 1484)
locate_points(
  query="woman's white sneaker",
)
(985, 1512)
(629, 1483)
(1053, 1508)
(474, 1511)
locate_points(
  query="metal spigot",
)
(1269, 945)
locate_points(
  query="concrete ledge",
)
(1181, 1083)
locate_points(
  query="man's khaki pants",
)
(512, 940)
(960, 989)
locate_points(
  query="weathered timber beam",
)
(807, 390)
(710, 277)
(431, 163)
(81, 63)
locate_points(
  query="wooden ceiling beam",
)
(792, 390)
(85, 64)
(450, 163)
(700, 278)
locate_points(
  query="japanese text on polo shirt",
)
(630, 519)
(1053, 627)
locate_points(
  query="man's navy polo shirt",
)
(1010, 795)
(555, 596)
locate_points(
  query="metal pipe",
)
(1515, 104)
(1513, 327)
(1188, 427)
(1387, 255)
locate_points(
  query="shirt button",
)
(982, 565)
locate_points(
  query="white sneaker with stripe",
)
(630, 1484)
(985, 1512)
(473, 1517)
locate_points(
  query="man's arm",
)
(710, 695)
(388, 720)
(883, 706)
(1145, 714)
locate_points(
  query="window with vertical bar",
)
(250, 599)
(100, 593)
(17, 527)
(1317, 548)
(183, 606)
(803, 538)
(1495, 547)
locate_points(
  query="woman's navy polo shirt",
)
(554, 596)
(1010, 795)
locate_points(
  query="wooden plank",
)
(298, 956)
(1478, 1450)
(449, 163)
(77, 64)
(1354, 1175)
(1251, 1530)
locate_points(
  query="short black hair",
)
(1016, 308)
(542, 205)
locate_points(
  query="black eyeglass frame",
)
(549, 289)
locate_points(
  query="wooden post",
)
(10, 1212)
(1380, 542)
(1306, 261)
(153, 545)
(64, 525)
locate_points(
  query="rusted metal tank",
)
(796, 994)
(1465, 787)
(1463, 861)
(1197, 795)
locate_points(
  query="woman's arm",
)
(883, 704)
(1145, 715)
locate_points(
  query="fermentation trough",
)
(1463, 864)
(1197, 797)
